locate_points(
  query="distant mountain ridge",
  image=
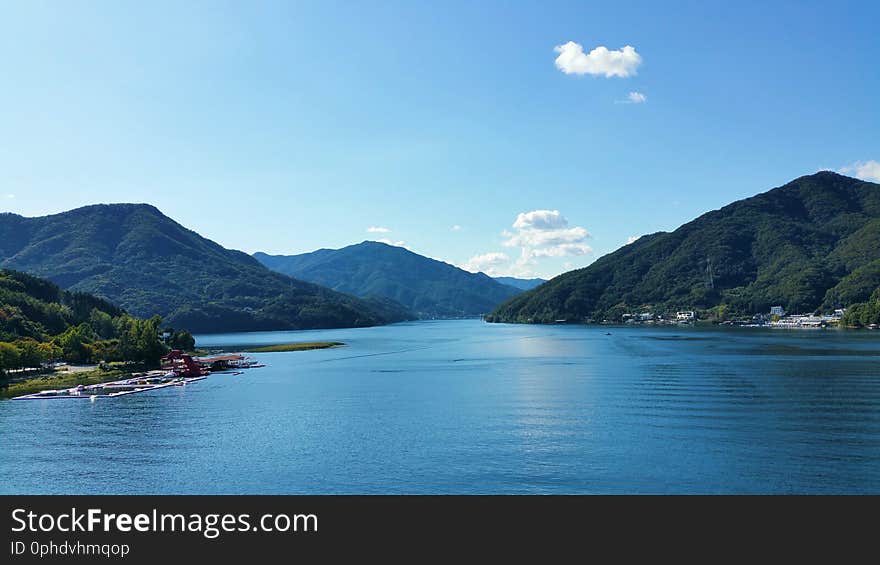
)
(813, 243)
(522, 284)
(138, 258)
(430, 288)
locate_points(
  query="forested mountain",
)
(39, 322)
(811, 244)
(430, 288)
(134, 256)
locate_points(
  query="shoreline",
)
(61, 380)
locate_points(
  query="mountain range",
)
(141, 260)
(811, 244)
(427, 287)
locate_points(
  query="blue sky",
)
(287, 127)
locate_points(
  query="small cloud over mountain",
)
(865, 170)
(387, 241)
(378, 229)
(537, 234)
(487, 263)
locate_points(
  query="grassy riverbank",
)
(59, 380)
(295, 347)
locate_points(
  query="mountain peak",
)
(135, 256)
(431, 288)
(828, 178)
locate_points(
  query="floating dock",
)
(179, 369)
(111, 389)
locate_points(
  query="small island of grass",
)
(295, 347)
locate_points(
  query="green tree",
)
(49, 351)
(139, 340)
(102, 324)
(182, 340)
(75, 343)
(30, 353)
(107, 350)
(864, 313)
(9, 357)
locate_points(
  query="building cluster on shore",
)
(683, 317)
(776, 318)
(779, 319)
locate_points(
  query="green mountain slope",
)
(39, 322)
(430, 288)
(31, 307)
(138, 258)
(811, 244)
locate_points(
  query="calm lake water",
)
(468, 407)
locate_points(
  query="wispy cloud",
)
(600, 61)
(7, 196)
(633, 98)
(636, 98)
(632, 239)
(865, 170)
(378, 229)
(456, 227)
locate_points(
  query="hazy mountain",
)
(813, 243)
(145, 262)
(522, 284)
(426, 286)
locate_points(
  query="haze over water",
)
(468, 407)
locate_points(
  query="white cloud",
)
(865, 170)
(387, 241)
(563, 250)
(378, 229)
(544, 233)
(456, 227)
(637, 97)
(633, 98)
(544, 228)
(540, 219)
(8, 196)
(539, 235)
(541, 238)
(632, 239)
(487, 263)
(600, 61)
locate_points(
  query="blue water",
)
(468, 407)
